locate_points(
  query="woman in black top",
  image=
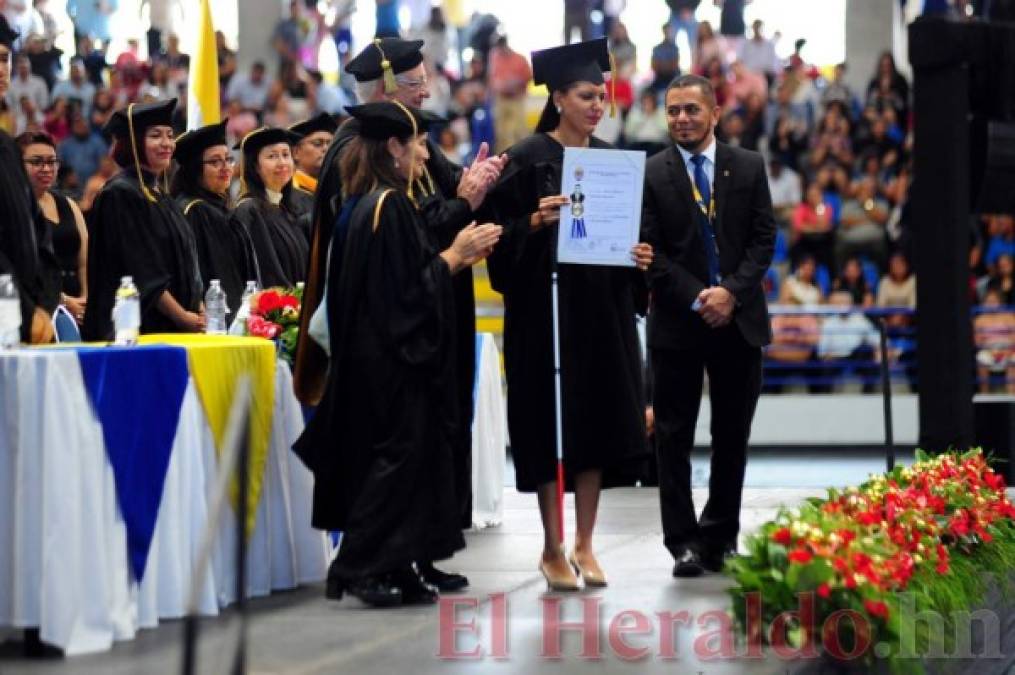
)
(201, 189)
(70, 236)
(138, 230)
(266, 211)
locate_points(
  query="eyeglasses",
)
(220, 162)
(5, 58)
(319, 142)
(39, 162)
(410, 83)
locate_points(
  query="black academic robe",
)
(301, 204)
(603, 398)
(26, 249)
(445, 215)
(150, 241)
(280, 247)
(224, 251)
(378, 444)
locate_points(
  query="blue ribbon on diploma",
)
(578, 228)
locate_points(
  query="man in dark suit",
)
(708, 215)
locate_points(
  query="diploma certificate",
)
(601, 224)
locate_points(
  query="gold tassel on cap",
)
(137, 160)
(390, 85)
(613, 85)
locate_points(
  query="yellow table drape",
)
(216, 364)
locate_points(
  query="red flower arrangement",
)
(275, 315)
(861, 547)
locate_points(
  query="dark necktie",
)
(707, 232)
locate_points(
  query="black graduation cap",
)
(385, 57)
(192, 143)
(7, 36)
(385, 119)
(320, 122)
(558, 67)
(259, 138)
(144, 115)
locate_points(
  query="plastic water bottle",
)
(239, 325)
(215, 308)
(127, 312)
(10, 313)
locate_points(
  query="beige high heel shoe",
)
(591, 576)
(558, 581)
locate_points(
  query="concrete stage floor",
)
(300, 633)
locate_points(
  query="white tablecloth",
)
(489, 438)
(63, 551)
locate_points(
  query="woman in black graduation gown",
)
(265, 210)
(138, 230)
(604, 439)
(201, 189)
(379, 444)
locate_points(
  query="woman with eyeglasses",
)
(266, 210)
(138, 230)
(70, 235)
(201, 188)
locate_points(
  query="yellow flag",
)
(203, 86)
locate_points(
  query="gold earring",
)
(396, 163)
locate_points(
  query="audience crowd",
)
(839, 160)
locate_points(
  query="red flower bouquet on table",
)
(275, 315)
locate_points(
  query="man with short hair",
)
(250, 90)
(758, 53)
(76, 89)
(665, 59)
(26, 84)
(708, 216)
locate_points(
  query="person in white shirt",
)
(851, 337)
(758, 54)
(250, 90)
(785, 186)
(23, 18)
(26, 84)
(76, 88)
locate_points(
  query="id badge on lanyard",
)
(708, 212)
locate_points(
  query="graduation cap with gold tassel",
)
(385, 58)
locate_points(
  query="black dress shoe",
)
(415, 590)
(376, 591)
(334, 588)
(714, 561)
(689, 564)
(445, 582)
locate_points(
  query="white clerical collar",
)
(274, 197)
(709, 153)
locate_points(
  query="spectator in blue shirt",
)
(77, 88)
(665, 59)
(1001, 230)
(91, 17)
(83, 150)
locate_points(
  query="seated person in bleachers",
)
(849, 338)
(812, 227)
(862, 225)
(1003, 278)
(852, 281)
(785, 188)
(994, 337)
(898, 287)
(801, 288)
